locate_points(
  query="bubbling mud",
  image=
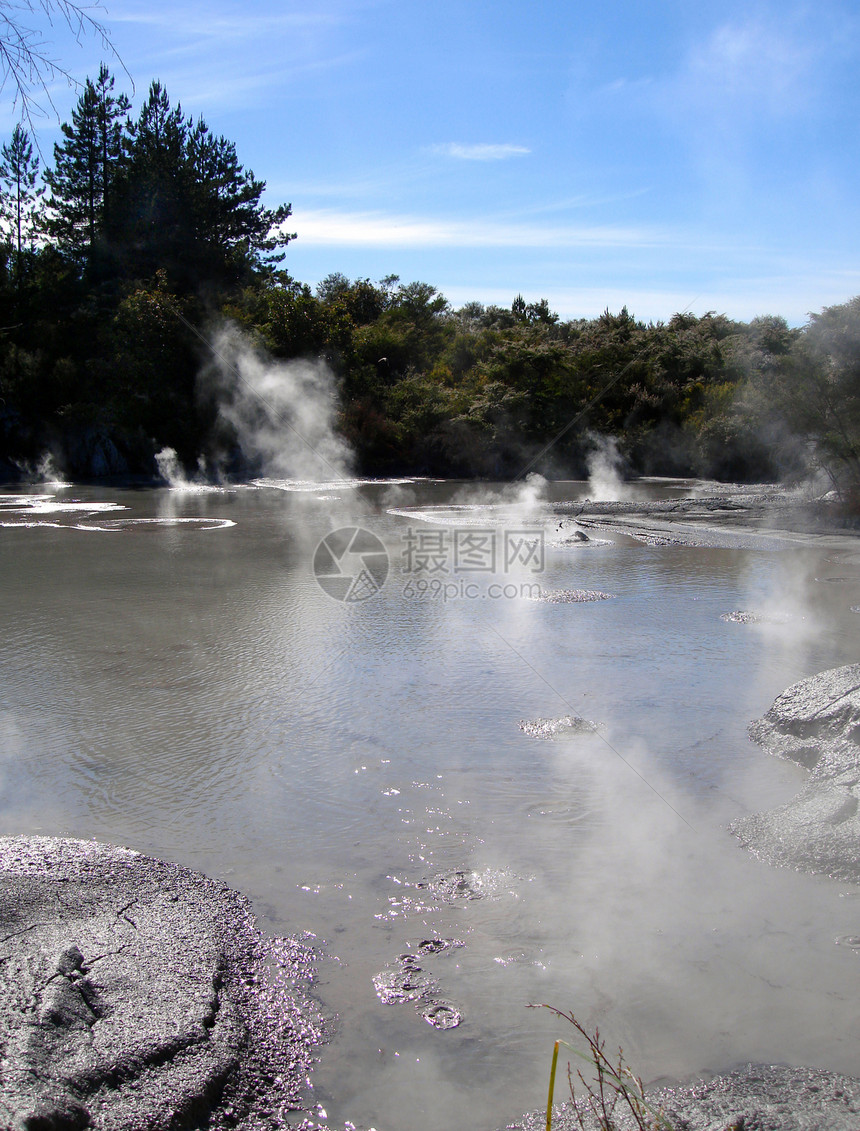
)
(746, 616)
(553, 728)
(405, 980)
(570, 596)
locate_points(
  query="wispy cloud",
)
(203, 90)
(481, 152)
(759, 64)
(195, 23)
(746, 87)
(224, 55)
(378, 229)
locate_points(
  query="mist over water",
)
(42, 472)
(171, 471)
(283, 412)
(605, 466)
(177, 681)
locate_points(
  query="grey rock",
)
(755, 1097)
(765, 1098)
(817, 831)
(815, 723)
(134, 995)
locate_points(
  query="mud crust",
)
(136, 994)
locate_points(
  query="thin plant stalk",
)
(612, 1083)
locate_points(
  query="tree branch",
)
(28, 68)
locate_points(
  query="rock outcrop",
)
(755, 1097)
(816, 723)
(135, 994)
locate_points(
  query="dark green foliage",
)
(186, 206)
(21, 195)
(156, 232)
(130, 198)
(86, 168)
(807, 384)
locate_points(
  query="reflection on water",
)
(406, 769)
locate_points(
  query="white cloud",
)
(378, 229)
(241, 89)
(481, 152)
(756, 64)
(195, 24)
(223, 55)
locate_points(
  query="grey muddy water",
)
(475, 798)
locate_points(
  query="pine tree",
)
(130, 198)
(86, 167)
(22, 214)
(186, 205)
(112, 112)
(149, 222)
(228, 212)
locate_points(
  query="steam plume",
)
(283, 412)
(604, 465)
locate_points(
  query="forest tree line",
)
(120, 258)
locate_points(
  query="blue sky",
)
(666, 156)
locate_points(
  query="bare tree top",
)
(26, 61)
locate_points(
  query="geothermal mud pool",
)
(472, 803)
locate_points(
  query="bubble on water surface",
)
(406, 981)
(447, 888)
(518, 958)
(457, 885)
(451, 887)
(442, 1015)
(561, 812)
(438, 946)
(746, 616)
(571, 596)
(549, 728)
(394, 986)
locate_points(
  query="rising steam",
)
(173, 473)
(43, 473)
(604, 465)
(283, 412)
